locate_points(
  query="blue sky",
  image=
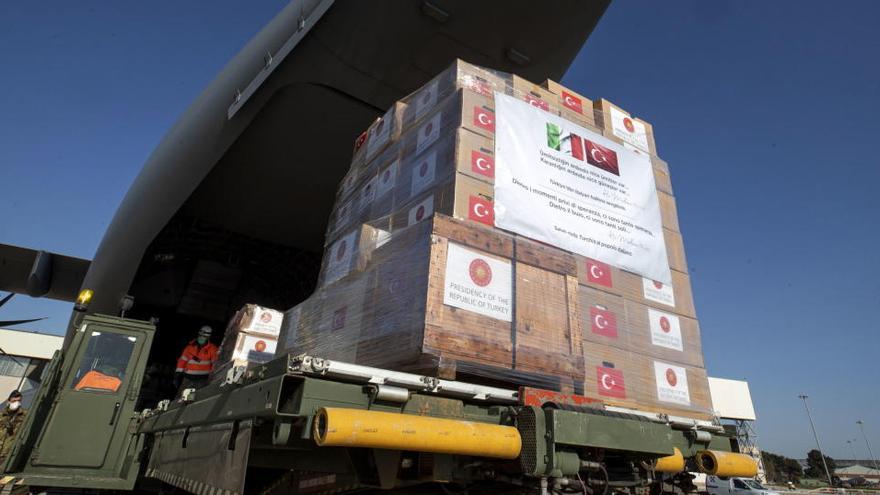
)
(767, 113)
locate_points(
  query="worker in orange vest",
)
(196, 362)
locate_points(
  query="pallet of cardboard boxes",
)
(416, 277)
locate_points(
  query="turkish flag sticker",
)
(602, 157)
(481, 210)
(572, 103)
(484, 119)
(599, 273)
(483, 164)
(536, 102)
(603, 322)
(610, 382)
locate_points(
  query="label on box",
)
(341, 254)
(426, 100)
(428, 133)
(343, 215)
(665, 330)
(368, 193)
(572, 102)
(672, 383)
(291, 326)
(423, 173)
(421, 211)
(536, 102)
(609, 381)
(387, 178)
(658, 292)
(254, 349)
(481, 210)
(483, 164)
(348, 181)
(380, 133)
(265, 321)
(599, 273)
(603, 322)
(484, 119)
(476, 282)
(630, 130)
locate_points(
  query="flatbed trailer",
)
(303, 424)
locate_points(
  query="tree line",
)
(781, 469)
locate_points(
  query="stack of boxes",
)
(416, 277)
(251, 337)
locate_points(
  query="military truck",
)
(303, 424)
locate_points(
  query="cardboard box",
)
(534, 95)
(358, 190)
(460, 76)
(572, 105)
(663, 334)
(463, 108)
(676, 298)
(675, 250)
(628, 379)
(446, 297)
(662, 179)
(622, 127)
(460, 151)
(350, 253)
(256, 320)
(603, 318)
(460, 197)
(668, 211)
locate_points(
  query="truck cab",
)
(716, 485)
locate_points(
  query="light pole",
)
(871, 453)
(850, 443)
(816, 436)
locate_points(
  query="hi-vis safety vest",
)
(197, 360)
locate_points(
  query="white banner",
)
(562, 184)
(478, 283)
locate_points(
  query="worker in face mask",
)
(196, 361)
(10, 422)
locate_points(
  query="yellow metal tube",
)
(717, 463)
(341, 427)
(670, 464)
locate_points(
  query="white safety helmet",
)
(205, 331)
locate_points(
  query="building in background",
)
(858, 471)
(24, 357)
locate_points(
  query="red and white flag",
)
(610, 382)
(572, 102)
(481, 210)
(483, 164)
(599, 273)
(484, 118)
(603, 322)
